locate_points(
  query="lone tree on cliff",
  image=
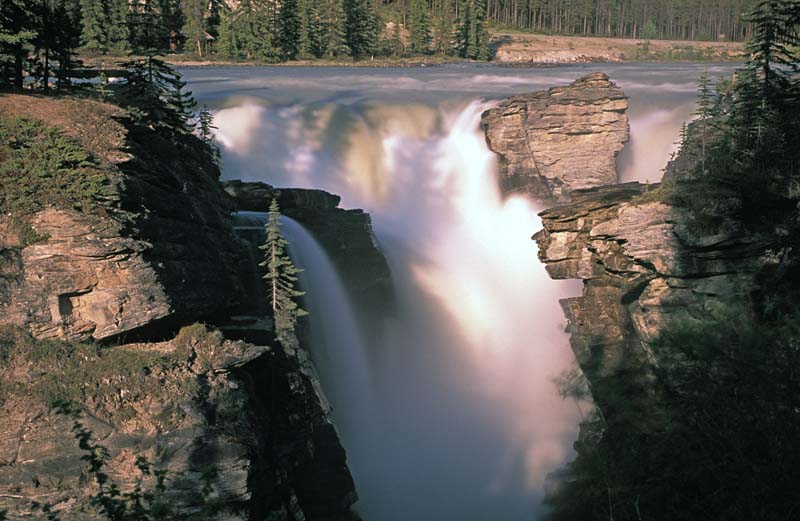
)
(281, 275)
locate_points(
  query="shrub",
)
(40, 167)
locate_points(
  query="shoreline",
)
(511, 50)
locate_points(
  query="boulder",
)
(552, 142)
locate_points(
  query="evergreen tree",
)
(290, 28)
(194, 28)
(281, 276)
(443, 32)
(478, 48)
(315, 41)
(773, 47)
(246, 31)
(334, 27)
(463, 29)
(94, 23)
(420, 27)
(361, 28)
(118, 31)
(156, 95)
(704, 113)
(205, 130)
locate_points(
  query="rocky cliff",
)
(345, 235)
(642, 266)
(142, 259)
(156, 251)
(550, 143)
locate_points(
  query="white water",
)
(339, 352)
(460, 421)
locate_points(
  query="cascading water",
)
(462, 421)
(338, 347)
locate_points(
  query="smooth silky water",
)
(450, 413)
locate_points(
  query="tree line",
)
(718, 20)
(47, 33)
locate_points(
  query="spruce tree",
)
(155, 95)
(118, 31)
(335, 29)
(17, 31)
(194, 12)
(95, 21)
(463, 30)
(205, 131)
(281, 276)
(315, 41)
(361, 28)
(420, 27)
(479, 38)
(289, 29)
(704, 113)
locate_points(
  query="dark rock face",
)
(550, 143)
(345, 235)
(642, 267)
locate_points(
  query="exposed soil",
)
(537, 48)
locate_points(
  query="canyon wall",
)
(345, 235)
(157, 254)
(642, 265)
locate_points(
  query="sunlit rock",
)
(552, 142)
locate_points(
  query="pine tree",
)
(281, 276)
(156, 95)
(94, 23)
(246, 31)
(335, 31)
(17, 31)
(194, 28)
(772, 49)
(118, 31)
(315, 42)
(205, 130)
(420, 27)
(290, 28)
(361, 28)
(480, 31)
(463, 30)
(704, 113)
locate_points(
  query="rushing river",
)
(451, 413)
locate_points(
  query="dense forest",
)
(650, 19)
(46, 32)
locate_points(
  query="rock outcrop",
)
(158, 252)
(550, 143)
(345, 235)
(244, 418)
(642, 267)
(143, 260)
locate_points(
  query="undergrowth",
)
(40, 167)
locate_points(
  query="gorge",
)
(441, 327)
(462, 351)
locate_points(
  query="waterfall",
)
(337, 347)
(452, 414)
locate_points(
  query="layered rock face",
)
(244, 418)
(160, 248)
(550, 143)
(159, 252)
(345, 235)
(642, 267)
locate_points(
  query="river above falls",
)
(458, 418)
